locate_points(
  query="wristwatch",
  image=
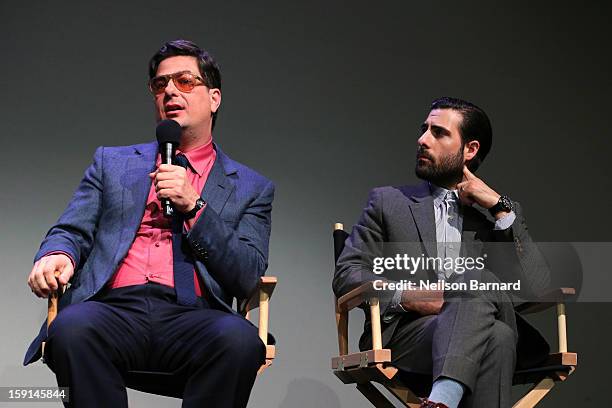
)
(504, 204)
(199, 204)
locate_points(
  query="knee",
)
(502, 340)
(480, 276)
(239, 339)
(70, 327)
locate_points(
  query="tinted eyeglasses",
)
(184, 81)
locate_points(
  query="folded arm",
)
(235, 257)
(355, 264)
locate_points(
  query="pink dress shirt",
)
(149, 259)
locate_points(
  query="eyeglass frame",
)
(172, 77)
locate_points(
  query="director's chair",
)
(163, 383)
(375, 365)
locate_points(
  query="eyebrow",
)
(441, 130)
(174, 73)
(437, 128)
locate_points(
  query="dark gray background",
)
(324, 98)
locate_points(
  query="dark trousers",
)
(91, 345)
(472, 340)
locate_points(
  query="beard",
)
(446, 171)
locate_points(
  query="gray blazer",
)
(404, 217)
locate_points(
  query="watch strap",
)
(503, 204)
(199, 204)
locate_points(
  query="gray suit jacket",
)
(403, 217)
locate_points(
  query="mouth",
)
(173, 109)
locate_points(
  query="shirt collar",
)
(200, 157)
(439, 193)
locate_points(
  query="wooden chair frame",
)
(260, 299)
(374, 365)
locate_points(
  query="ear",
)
(215, 99)
(470, 150)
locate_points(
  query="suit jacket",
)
(403, 217)
(229, 241)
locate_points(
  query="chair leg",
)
(374, 395)
(536, 394)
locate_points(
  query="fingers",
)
(168, 189)
(50, 275)
(166, 193)
(167, 168)
(168, 178)
(37, 279)
(168, 172)
(466, 200)
(465, 194)
(467, 174)
(464, 188)
(171, 184)
(167, 184)
(43, 278)
(65, 274)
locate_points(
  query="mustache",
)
(421, 152)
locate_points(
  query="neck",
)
(447, 184)
(451, 186)
(192, 139)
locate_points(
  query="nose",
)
(425, 139)
(171, 89)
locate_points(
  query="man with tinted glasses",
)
(468, 341)
(149, 292)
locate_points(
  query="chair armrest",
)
(266, 285)
(261, 299)
(355, 297)
(557, 297)
(52, 306)
(53, 300)
(363, 293)
(547, 300)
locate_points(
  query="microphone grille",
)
(168, 131)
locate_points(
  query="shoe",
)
(430, 404)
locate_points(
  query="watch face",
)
(506, 203)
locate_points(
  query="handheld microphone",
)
(168, 134)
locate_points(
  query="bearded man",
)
(469, 342)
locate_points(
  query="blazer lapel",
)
(424, 219)
(136, 185)
(218, 186)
